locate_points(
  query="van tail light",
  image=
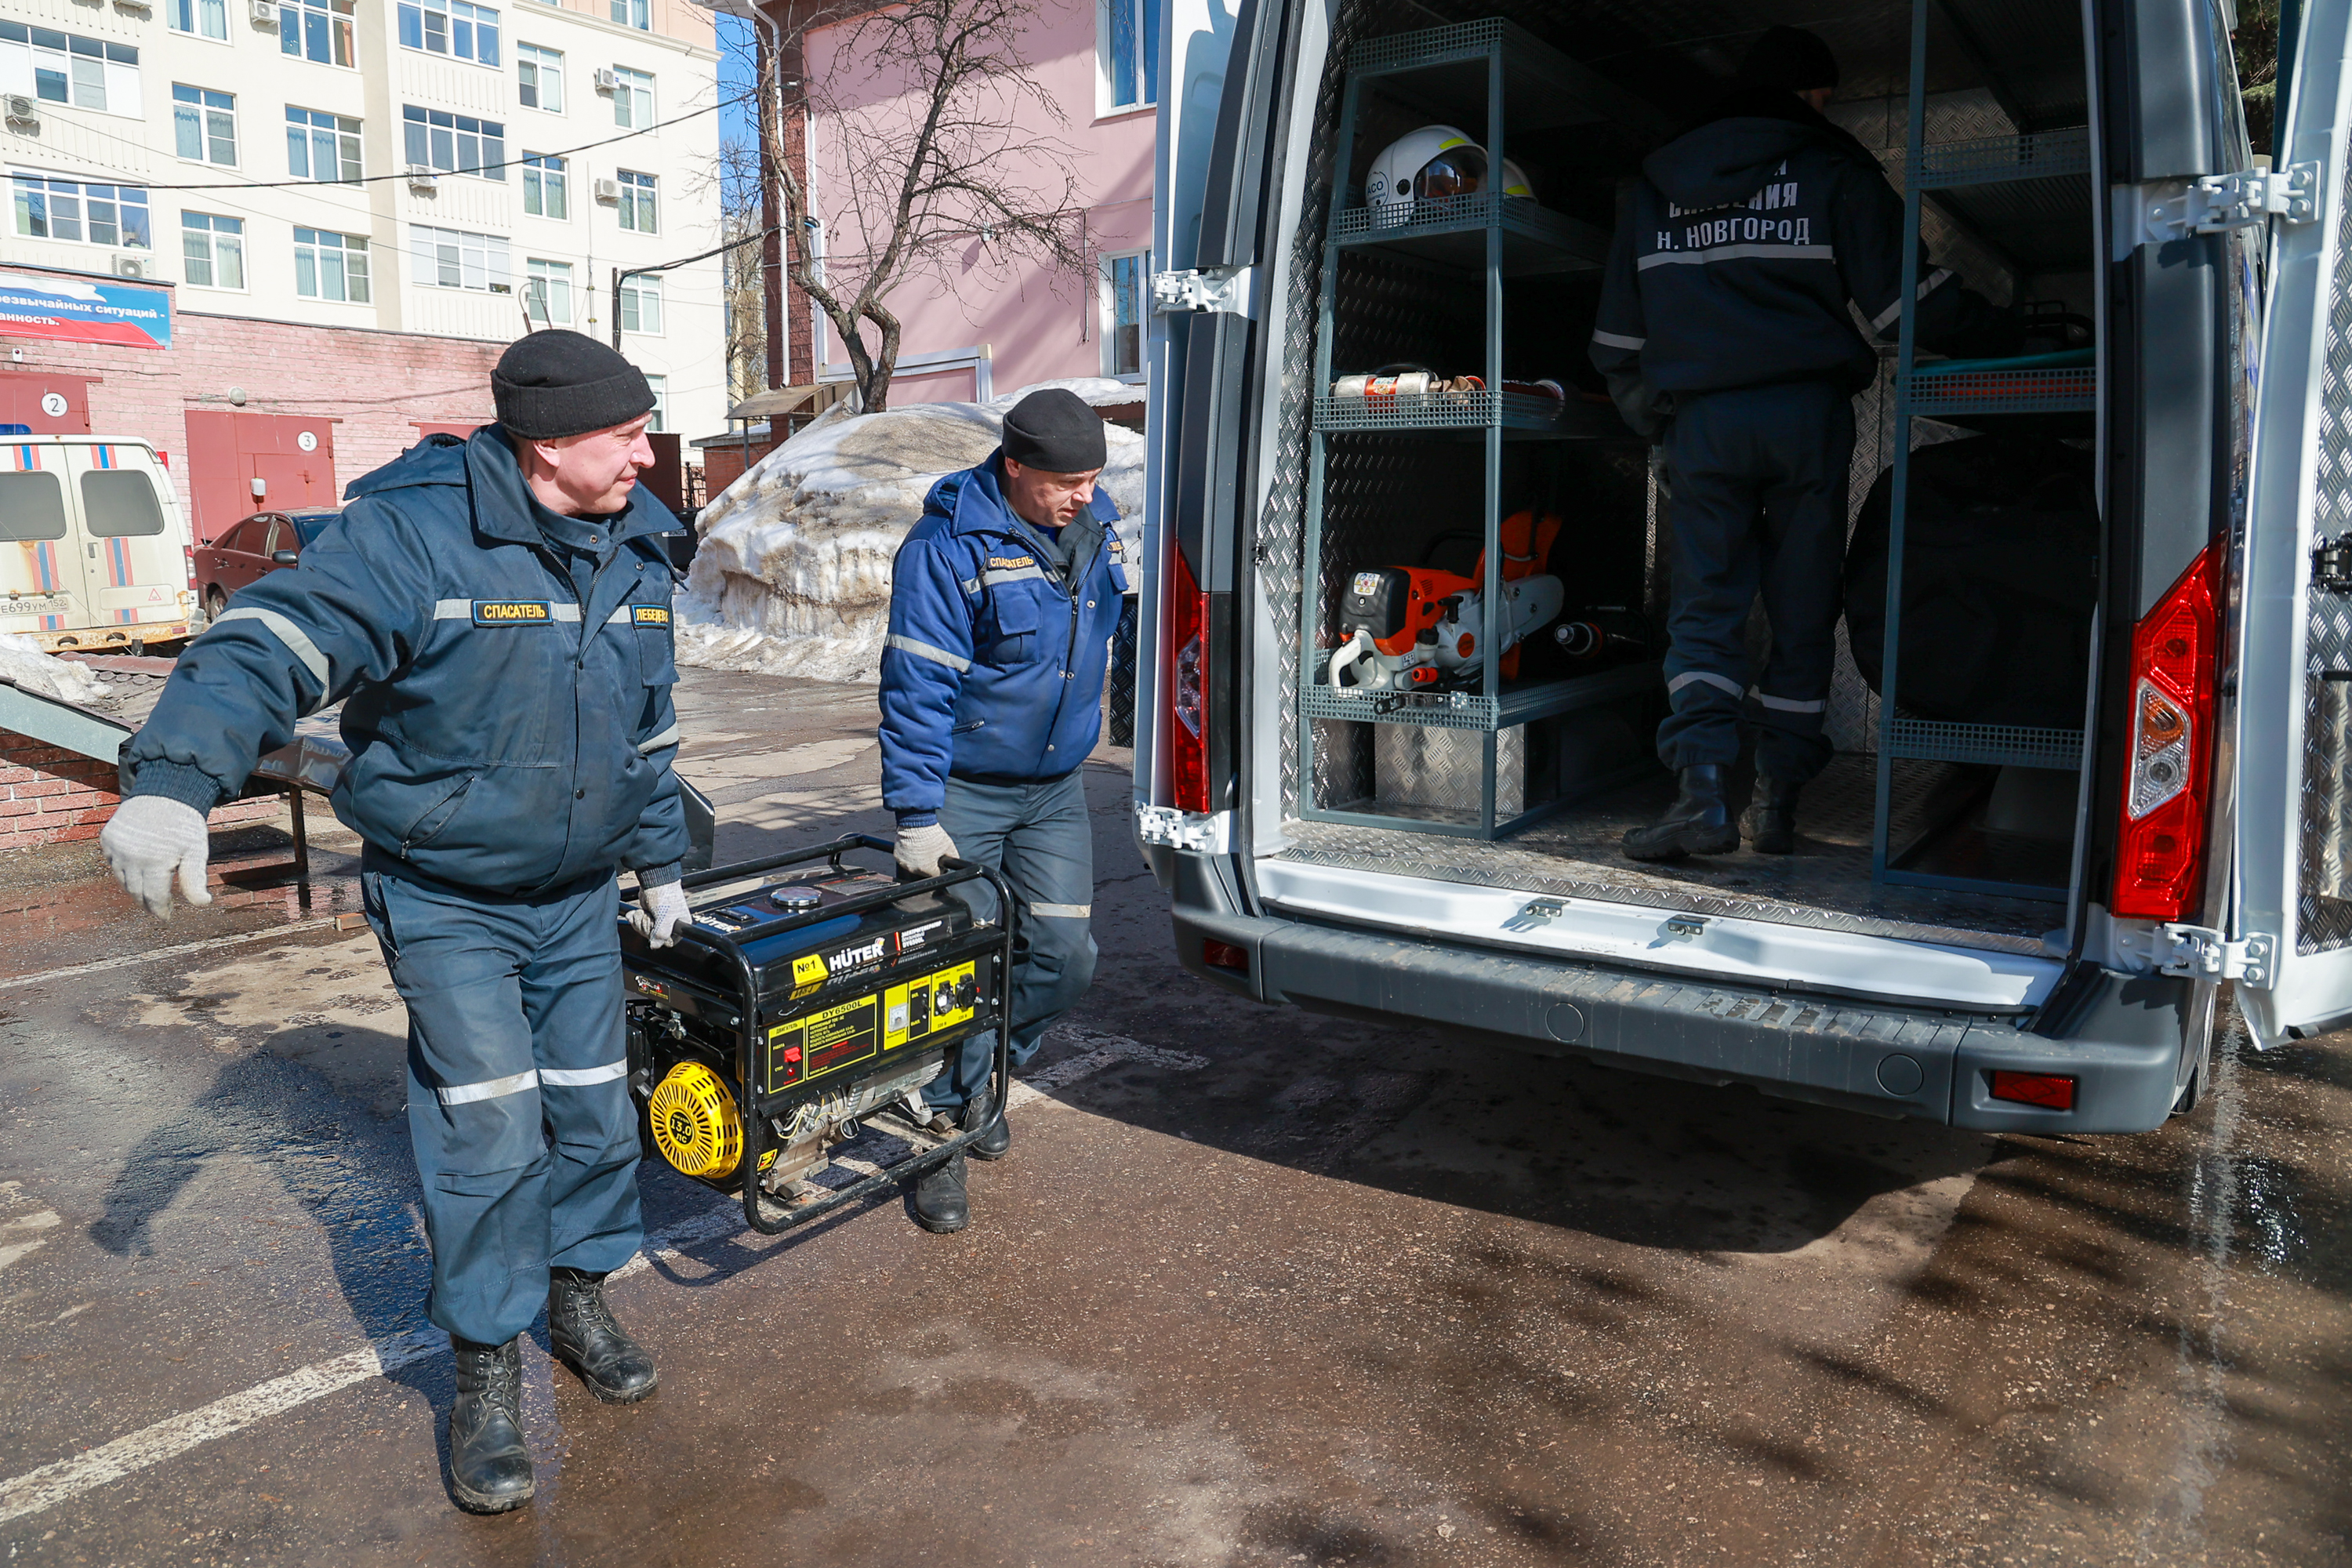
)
(2052, 1091)
(2175, 671)
(190, 552)
(1188, 682)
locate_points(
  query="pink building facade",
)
(977, 324)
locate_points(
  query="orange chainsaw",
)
(1419, 629)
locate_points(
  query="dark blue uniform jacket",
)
(1734, 258)
(994, 670)
(505, 736)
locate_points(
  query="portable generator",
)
(790, 1009)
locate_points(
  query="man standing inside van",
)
(1724, 330)
(1002, 602)
(494, 615)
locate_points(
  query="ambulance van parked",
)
(2093, 692)
(94, 552)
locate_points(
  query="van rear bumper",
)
(2123, 1045)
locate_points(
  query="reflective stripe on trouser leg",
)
(1038, 834)
(1758, 485)
(497, 992)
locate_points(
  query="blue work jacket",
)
(504, 736)
(994, 670)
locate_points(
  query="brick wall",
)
(48, 795)
(372, 383)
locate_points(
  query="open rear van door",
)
(2291, 887)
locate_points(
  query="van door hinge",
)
(2175, 209)
(2202, 953)
(1224, 289)
(2331, 564)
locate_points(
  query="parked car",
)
(1959, 957)
(101, 556)
(249, 551)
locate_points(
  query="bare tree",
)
(934, 108)
(740, 270)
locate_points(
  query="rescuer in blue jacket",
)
(1724, 329)
(494, 614)
(1002, 602)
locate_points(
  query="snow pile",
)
(792, 576)
(22, 663)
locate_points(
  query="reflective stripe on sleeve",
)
(1061, 911)
(1738, 253)
(653, 743)
(1705, 677)
(925, 650)
(1788, 704)
(490, 1088)
(581, 1078)
(297, 641)
(1615, 341)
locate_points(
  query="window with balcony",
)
(539, 77)
(316, 30)
(204, 124)
(454, 143)
(322, 146)
(204, 18)
(641, 305)
(1127, 53)
(544, 186)
(330, 266)
(452, 258)
(68, 68)
(451, 27)
(212, 248)
(82, 214)
(547, 292)
(638, 214)
(633, 98)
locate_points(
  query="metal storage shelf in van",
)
(1452, 233)
(1994, 745)
(1519, 413)
(2042, 155)
(1541, 87)
(1468, 709)
(2072, 389)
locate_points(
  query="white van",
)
(2000, 915)
(94, 552)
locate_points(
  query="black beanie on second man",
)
(552, 383)
(1055, 430)
(1790, 57)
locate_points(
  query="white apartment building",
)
(426, 166)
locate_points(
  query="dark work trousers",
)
(1038, 835)
(518, 1089)
(1757, 482)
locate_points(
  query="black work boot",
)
(1771, 819)
(490, 1468)
(992, 1143)
(1698, 823)
(582, 1332)
(940, 1206)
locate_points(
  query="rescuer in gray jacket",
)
(1724, 330)
(494, 615)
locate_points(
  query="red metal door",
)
(292, 455)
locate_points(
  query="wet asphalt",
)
(1254, 1287)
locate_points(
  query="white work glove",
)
(660, 912)
(919, 850)
(150, 837)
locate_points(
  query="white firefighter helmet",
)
(1431, 164)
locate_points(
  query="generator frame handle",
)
(954, 873)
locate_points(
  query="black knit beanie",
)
(553, 384)
(1790, 57)
(1055, 430)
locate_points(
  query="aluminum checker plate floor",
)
(1826, 884)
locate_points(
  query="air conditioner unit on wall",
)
(139, 6)
(24, 110)
(608, 191)
(265, 12)
(607, 79)
(133, 266)
(421, 177)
